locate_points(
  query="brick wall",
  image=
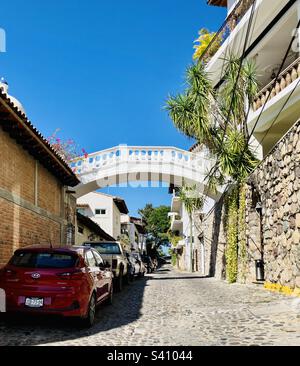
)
(20, 227)
(49, 191)
(17, 168)
(23, 221)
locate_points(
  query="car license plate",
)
(34, 302)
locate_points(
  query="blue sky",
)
(101, 70)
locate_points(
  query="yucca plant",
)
(217, 119)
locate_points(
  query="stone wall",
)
(276, 184)
(272, 218)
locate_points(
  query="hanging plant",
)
(242, 250)
(231, 252)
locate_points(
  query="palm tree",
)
(217, 119)
(192, 202)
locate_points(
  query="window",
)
(106, 248)
(100, 211)
(98, 258)
(80, 229)
(43, 260)
(90, 259)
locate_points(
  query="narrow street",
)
(170, 308)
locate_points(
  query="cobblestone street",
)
(171, 308)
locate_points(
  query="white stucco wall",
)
(110, 222)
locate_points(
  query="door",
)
(96, 274)
(105, 273)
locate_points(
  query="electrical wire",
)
(280, 111)
(215, 167)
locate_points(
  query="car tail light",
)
(72, 275)
(114, 263)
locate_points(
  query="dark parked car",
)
(69, 281)
(136, 265)
(148, 263)
(140, 268)
(131, 266)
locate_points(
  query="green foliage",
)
(231, 251)
(235, 229)
(190, 110)
(242, 253)
(146, 211)
(191, 199)
(203, 41)
(217, 119)
(174, 259)
(173, 238)
(157, 222)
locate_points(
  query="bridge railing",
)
(144, 154)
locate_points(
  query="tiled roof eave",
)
(15, 122)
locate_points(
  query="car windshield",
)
(43, 260)
(107, 248)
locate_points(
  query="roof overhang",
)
(121, 204)
(15, 122)
(93, 226)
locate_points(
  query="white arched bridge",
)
(123, 165)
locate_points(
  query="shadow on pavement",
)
(29, 329)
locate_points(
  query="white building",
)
(105, 210)
(180, 226)
(134, 229)
(264, 29)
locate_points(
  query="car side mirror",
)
(104, 265)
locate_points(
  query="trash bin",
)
(260, 272)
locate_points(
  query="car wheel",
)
(89, 319)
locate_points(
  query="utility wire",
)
(215, 167)
(240, 68)
(267, 99)
(281, 109)
(275, 80)
(220, 115)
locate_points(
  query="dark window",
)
(106, 248)
(80, 230)
(43, 260)
(100, 211)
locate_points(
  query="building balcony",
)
(231, 37)
(176, 203)
(276, 107)
(287, 77)
(227, 28)
(176, 222)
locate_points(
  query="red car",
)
(69, 281)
